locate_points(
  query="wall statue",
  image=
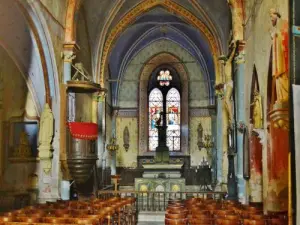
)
(46, 127)
(279, 35)
(257, 118)
(45, 138)
(24, 148)
(228, 79)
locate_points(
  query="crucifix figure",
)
(162, 150)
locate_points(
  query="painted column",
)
(240, 120)
(219, 141)
(255, 182)
(1, 127)
(278, 150)
(214, 153)
(69, 55)
(101, 130)
(113, 154)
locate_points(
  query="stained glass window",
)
(164, 78)
(155, 107)
(173, 119)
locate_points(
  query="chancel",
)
(149, 112)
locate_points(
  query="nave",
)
(125, 211)
(153, 98)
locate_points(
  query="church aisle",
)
(150, 223)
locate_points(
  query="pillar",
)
(214, 129)
(113, 154)
(101, 126)
(219, 142)
(255, 181)
(70, 50)
(294, 154)
(240, 119)
(277, 161)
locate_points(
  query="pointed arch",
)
(146, 5)
(254, 88)
(150, 65)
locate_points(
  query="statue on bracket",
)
(279, 35)
(45, 139)
(257, 118)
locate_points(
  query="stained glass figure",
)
(173, 119)
(155, 107)
(164, 78)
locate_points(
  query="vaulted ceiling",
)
(155, 24)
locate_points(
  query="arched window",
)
(155, 107)
(164, 104)
(173, 119)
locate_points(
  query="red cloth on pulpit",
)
(81, 130)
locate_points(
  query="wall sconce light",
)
(112, 146)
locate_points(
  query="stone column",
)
(69, 54)
(219, 142)
(113, 154)
(46, 132)
(1, 127)
(101, 127)
(277, 152)
(240, 119)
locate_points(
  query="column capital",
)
(70, 50)
(101, 95)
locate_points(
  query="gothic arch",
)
(150, 65)
(38, 26)
(170, 6)
(254, 87)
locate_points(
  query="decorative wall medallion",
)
(126, 138)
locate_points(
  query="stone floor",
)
(151, 218)
(150, 223)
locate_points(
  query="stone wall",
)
(128, 91)
(17, 107)
(128, 158)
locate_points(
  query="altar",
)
(161, 178)
(161, 174)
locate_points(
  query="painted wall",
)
(196, 154)
(54, 13)
(84, 54)
(17, 105)
(128, 92)
(127, 159)
(257, 51)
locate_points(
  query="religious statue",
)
(279, 35)
(257, 118)
(228, 78)
(200, 136)
(46, 127)
(24, 148)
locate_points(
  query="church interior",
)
(149, 112)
